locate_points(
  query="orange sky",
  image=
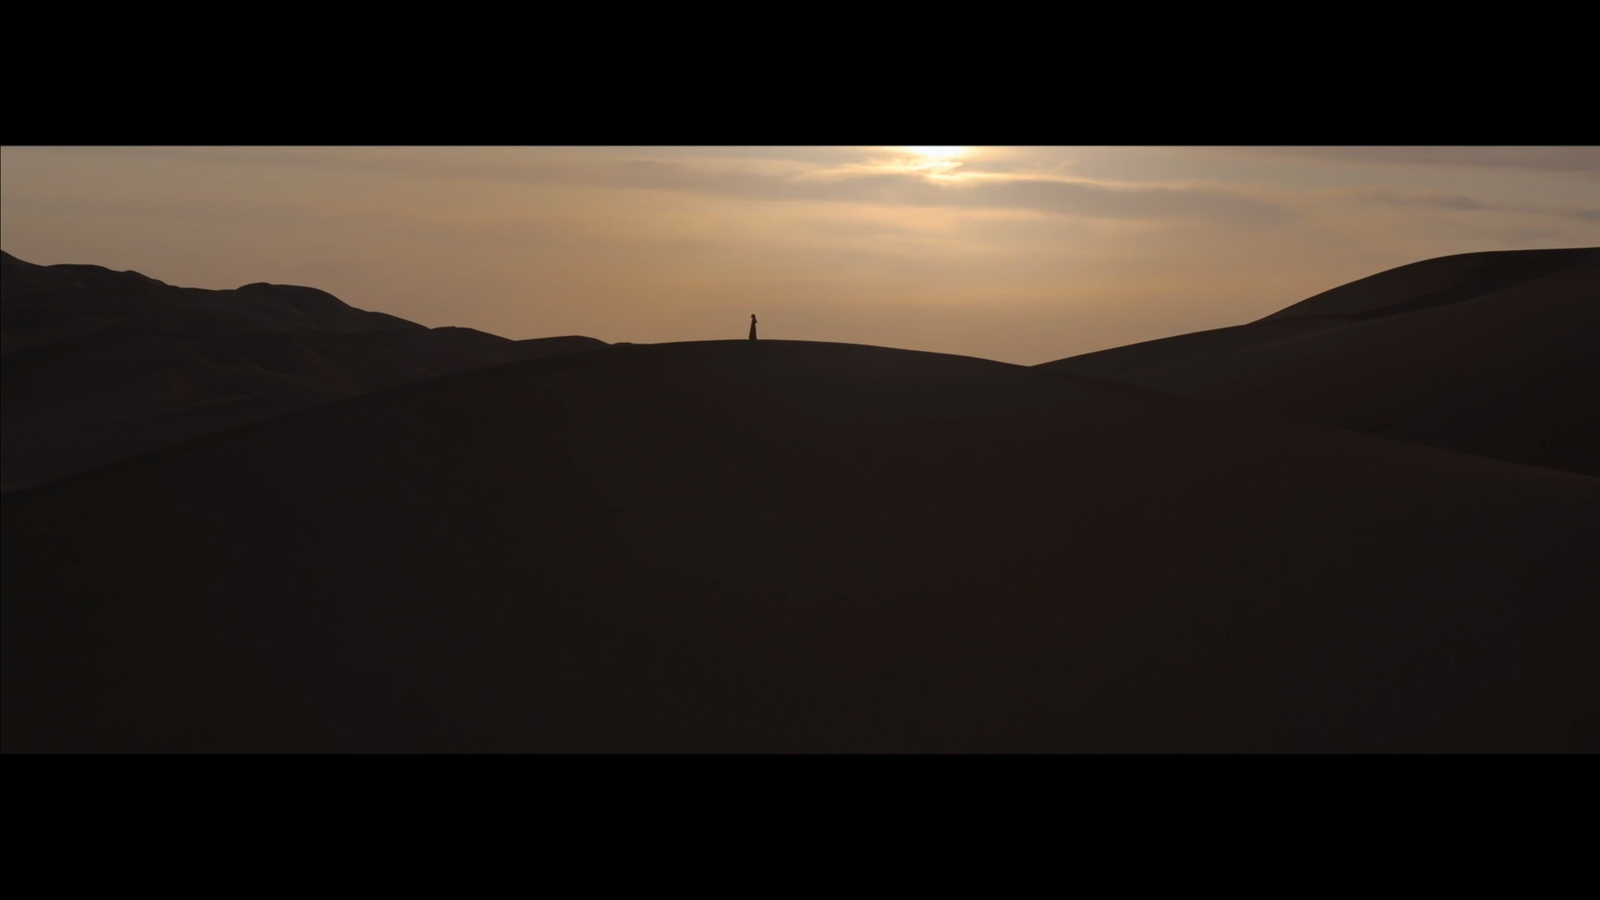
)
(1021, 254)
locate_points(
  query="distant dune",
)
(793, 547)
(1486, 353)
(101, 365)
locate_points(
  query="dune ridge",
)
(1483, 353)
(102, 365)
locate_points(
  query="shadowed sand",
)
(1485, 353)
(102, 365)
(785, 546)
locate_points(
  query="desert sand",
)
(778, 546)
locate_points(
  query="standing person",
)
(752, 326)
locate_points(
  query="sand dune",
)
(101, 365)
(1485, 353)
(794, 547)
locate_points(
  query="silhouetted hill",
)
(784, 546)
(100, 365)
(1486, 353)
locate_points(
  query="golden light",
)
(938, 153)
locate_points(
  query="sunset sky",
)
(1021, 254)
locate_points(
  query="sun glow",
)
(938, 153)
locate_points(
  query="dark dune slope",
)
(1487, 353)
(100, 365)
(780, 546)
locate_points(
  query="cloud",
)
(873, 179)
(1466, 203)
(888, 186)
(1584, 160)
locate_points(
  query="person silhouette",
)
(752, 326)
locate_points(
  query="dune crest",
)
(102, 365)
(1484, 353)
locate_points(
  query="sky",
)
(1019, 254)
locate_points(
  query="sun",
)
(938, 153)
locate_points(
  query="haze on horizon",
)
(1020, 254)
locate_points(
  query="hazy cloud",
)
(1467, 203)
(1584, 160)
(772, 176)
(904, 188)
